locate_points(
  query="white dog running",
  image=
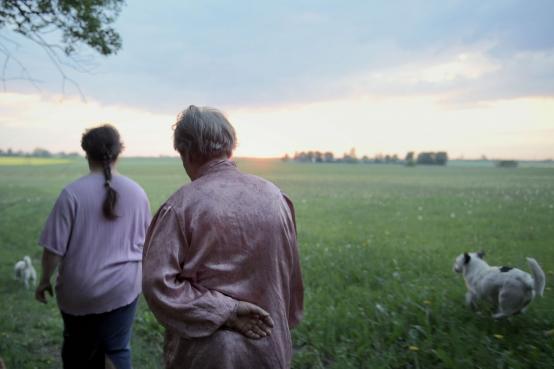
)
(24, 271)
(510, 290)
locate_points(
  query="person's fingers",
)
(251, 321)
(268, 321)
(40, 293)
(247, 308)
(251, 328)
(261, 325)
(258, 330)
(252, 334)
(256, 310)
(258, 327)
(245, 325)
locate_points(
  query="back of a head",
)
(204, 133)
(103, 146)
(102, 143)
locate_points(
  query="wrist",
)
(232, 316)
(44, 280)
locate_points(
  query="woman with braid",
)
(95, 233)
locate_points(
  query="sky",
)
(471, 78)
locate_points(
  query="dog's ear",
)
(467, 258)
(481, 254)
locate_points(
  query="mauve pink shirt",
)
(224, 237)
(101, 266)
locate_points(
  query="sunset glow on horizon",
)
(517, 128)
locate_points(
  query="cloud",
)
(463, 77)
(247, 53)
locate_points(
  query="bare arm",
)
(50, 262)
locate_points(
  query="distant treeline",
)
(423, 158)
(37, 153)
(427, 158)
(507, 164)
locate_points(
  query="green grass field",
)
(377, 244)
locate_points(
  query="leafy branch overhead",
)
(78, 21)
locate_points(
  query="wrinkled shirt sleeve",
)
(56, 233)
(178, 303)
(148, 217)
(296, 306)
(146, 220)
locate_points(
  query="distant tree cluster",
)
(423, 158)
(409, 160)
(386, 159)
(350, 158)
(507, 164)
(432, 158)
(36, 153)
(312, 157)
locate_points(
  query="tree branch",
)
(78, 22)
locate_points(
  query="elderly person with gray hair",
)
(221, 270)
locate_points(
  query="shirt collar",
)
(216, 165)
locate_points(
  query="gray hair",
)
(204, 133)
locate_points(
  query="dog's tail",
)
(538, 276)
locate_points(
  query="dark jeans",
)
(87, 339)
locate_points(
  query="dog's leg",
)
(511, 300)
(33, 278)
(471, 300)
(499, 315)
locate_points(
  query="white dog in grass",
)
(510, 290)
(23, 270)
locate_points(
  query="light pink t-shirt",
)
(101, 259)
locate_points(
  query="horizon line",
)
(459, 157)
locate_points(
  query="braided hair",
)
(103, 145)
